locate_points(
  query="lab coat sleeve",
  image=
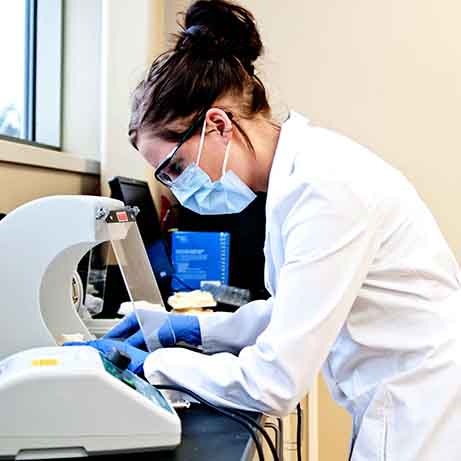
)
(231, 332)
(328, 237)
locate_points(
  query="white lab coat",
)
(363, 283)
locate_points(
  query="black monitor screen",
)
(136, 193)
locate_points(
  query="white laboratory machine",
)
(62, 402)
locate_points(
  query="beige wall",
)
(21, 183)
(81, 94)
(132, 34)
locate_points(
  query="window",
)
(12, 77)
(30, 79)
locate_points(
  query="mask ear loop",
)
(202, 140)
(226, 158)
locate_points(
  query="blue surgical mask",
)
(196, 191)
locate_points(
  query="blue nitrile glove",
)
(186, 328)
(160, 331)
(106, 346)
(129, 330)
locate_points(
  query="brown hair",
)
(213, 56)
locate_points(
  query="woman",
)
(362, 281)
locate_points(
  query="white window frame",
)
(44, 96)
(43, 74)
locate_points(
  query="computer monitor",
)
(133, 192)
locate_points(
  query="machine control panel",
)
(138, 384)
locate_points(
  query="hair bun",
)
(201, 42)
(217, 29)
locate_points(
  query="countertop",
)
(206, 436)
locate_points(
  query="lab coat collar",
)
(292, 137)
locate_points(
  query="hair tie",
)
(194, 30)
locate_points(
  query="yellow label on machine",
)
(45, 362)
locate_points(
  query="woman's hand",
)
(160, 328)
(130, 331)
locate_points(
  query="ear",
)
(219, 121)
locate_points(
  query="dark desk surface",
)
(206, 436)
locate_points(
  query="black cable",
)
(244, 420)
(263, 432)
(218, 410)
(256, 425)
(298, 431)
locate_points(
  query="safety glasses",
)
(167, 175)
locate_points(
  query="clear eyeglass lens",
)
(173, 168)
(164, 178)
